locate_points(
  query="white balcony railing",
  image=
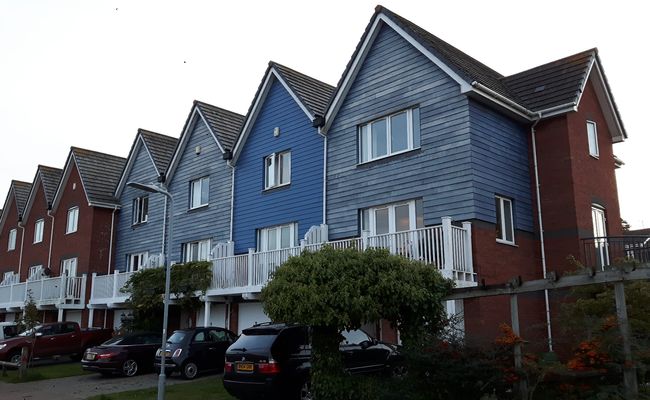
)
(56, 292)
(446, 246)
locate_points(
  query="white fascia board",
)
(64, 180)
(133, 154)
(214, 135)
(32, 193)
(363, 52)
(293, 95)
(613, 122)
(105, 205)
(584, 83)
(182, 142)
(5, 207)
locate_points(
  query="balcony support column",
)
(250, 267)
(448, 248)
(469, 261)
(206, 312)
(91, 315)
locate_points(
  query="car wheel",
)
(189, 370)
(130, 367)
(304, 393)
(15, 358)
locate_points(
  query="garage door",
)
(217, 316)
(250, 314)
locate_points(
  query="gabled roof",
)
(160, 149)
(99, 174)
(48, 178)
(310, 94)
(18, 192)
(540, 92)
(224, 126)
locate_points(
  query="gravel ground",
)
(80, 387)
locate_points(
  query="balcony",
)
(63, 292)
(601, 252)
(447, 247)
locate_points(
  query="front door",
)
(600, 237)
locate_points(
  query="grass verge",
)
(201, 389)
(40, 373)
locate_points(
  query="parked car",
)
(8, 330)
(196, 350)
(126, 355)
(274, 360)
(53, 339)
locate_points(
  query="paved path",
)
(80, 387)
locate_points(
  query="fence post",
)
(115, 273)
(324, 233)
(62, 288)
(82, 292)
(92, 285)
(629, 371)
(250, 266)
(448, 248)
(514, 318)
(364, 240)
(467, 226)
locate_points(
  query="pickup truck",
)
(53, 339)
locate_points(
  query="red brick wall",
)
(9, 259)
(36, 253)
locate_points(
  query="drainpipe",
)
(110, 243)
(541, 232)
(22, 242)
(49, 252)
(232, 197)
(324, 176)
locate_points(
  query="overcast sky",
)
(90, 73)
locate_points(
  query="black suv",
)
(191, 351)
(273, 360)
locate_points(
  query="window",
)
(391, 218)
(137, 261)
(276, 237)
(389, 135)
(592, 136)
(199, 192)
(73, 219)
(35, 272)
(277, 170)
(196, 251)
(69, 267)
(7, 278)
(600, 235)
(12, 240)
(140, 210)
(38, 231)
(505, 226)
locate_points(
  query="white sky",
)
(90, 73)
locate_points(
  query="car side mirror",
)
(365, 344)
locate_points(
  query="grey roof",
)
(50, 177)
(225, 124)
(161, 148)
(21, 193)
(313, 93)
(100, 174)
(552, 84)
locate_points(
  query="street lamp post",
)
(151, 188)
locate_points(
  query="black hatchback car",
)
(126, 355)
(196, 350)
(273, 360)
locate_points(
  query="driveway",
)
(80, 387)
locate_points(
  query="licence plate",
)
(245, 367)
(91, 356)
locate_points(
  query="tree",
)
(334, 290)
(147, 287)
(30, 317)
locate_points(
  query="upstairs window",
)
(38, 231)
(199, 192)
(389, 135)
(505, 229)
(277, 170)
(12, 240)
(73, 220)
(8, 278)
(392, 218)
(592, 136)
(196, 251)
(69, 267)
(140, 211)
(35, 272)
(276, 237)
(137, 261)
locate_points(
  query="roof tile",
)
(100, 174)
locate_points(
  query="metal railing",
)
(45, 291)
(108, 288)
(600, 252)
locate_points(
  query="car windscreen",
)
(10, 331)
(120, 340)
(177, 337)
(253, 341)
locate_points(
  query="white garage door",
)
(250, 314)
(217, 316)
(73, 316)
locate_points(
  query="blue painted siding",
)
(395, 76)
(302, 200)
(501, 165)
(209, 222)
(139, 238)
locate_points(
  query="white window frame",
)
(39, 226)
(274, 170)
(203, 247)
(11, 243)
(369, 217)
(503, 225)
(72, 222)
(140, 210)
(263, 235)
(200, 183)
(7, 278)
(592, 139)
(137, 261)
(35, 273)
(69, 265)
(364, 138)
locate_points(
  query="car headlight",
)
(177, 353)
(2, 346)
